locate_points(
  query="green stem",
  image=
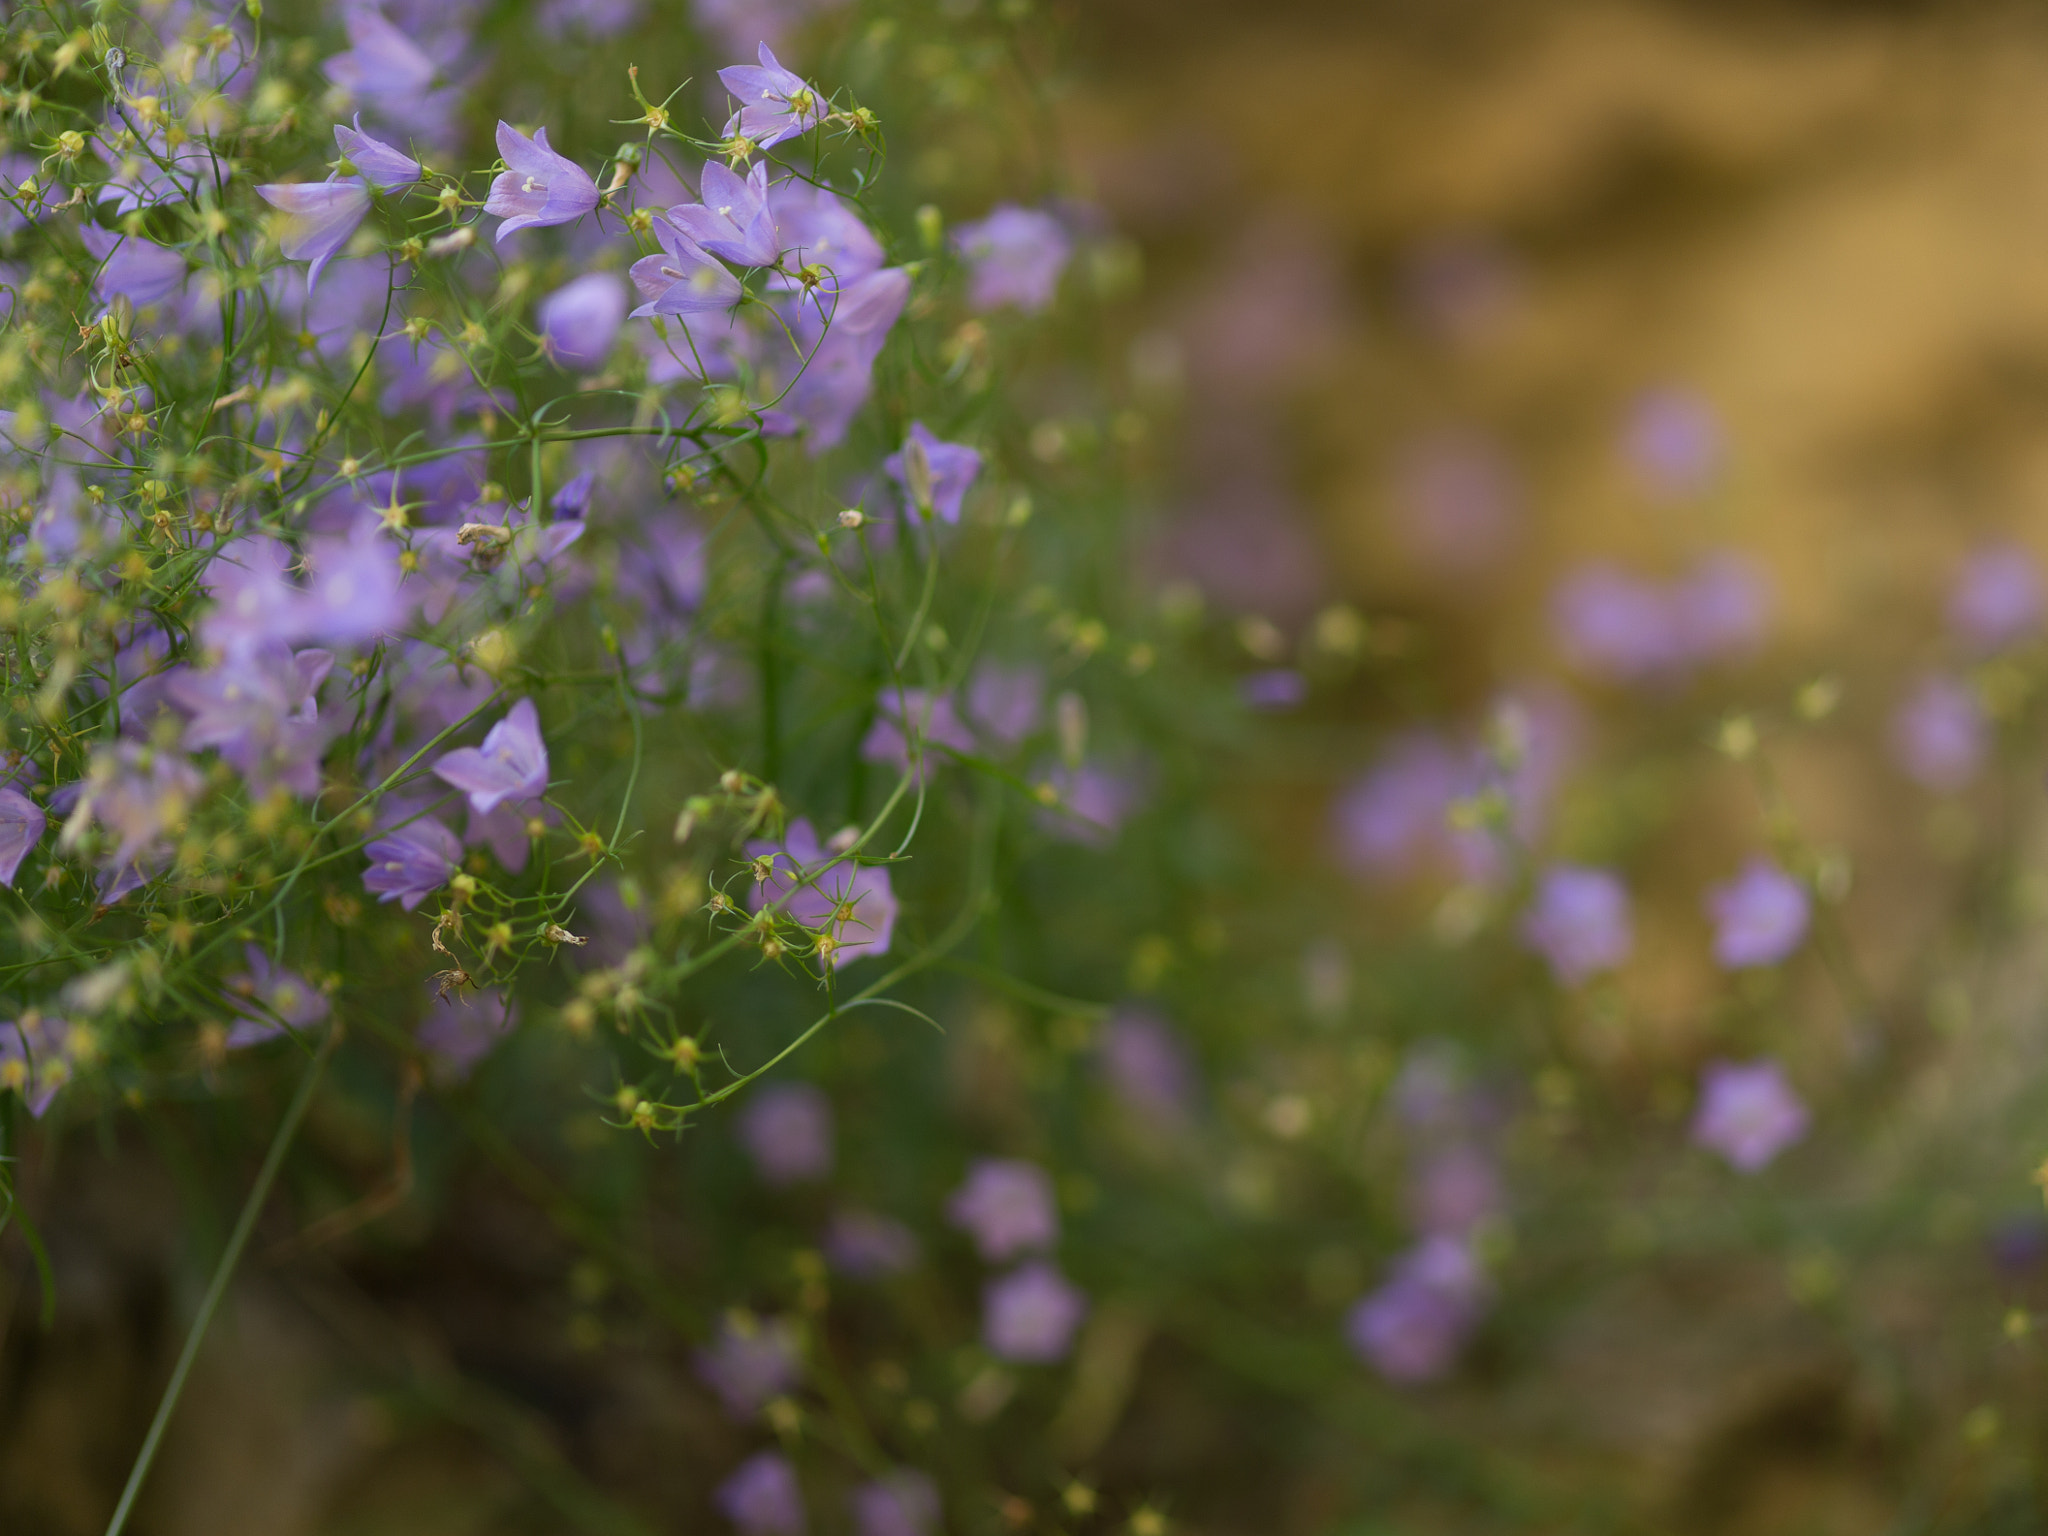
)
(222, 1273)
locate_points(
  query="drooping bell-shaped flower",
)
(937, 475)
(538, 187)
(21, 828)
(733, 220)
(409, 863)
(580, 320)
(684, 279)
(774, 103)
(319, 216)
(1016, 256)
(382, 166)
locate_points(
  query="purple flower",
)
(751, 1362)
(1413, 1326)
(934, 474)
(816, 227)
(354, 592)
(512, 764)
(1939, 734)
(1005, 701)
(869, 1247)
(1997, 598)
(1719, 610)
(130, 266)
(851, 902)
(461, 1029)
(787, 1130)
(1006, 1205)
(1029, 1316)
(1747, 1112)
(933, 719)
(258, 708)
(596, 18)
(1147, 1066)
(374, 160)
(382, 63)
(836, 380)
(901, 1503)
(1090, 804)
(1674, 443)
(686, 280)
(1457, 501)
(21, 828)
(538, 187)
(1614, 625)
(266, 993)
(774, 104)
(319, 218)
(1454, 1189)
(1277, 688)
(1016, 256)
(580, 320)
(135, 792)
(733, 220)
(762, 1498)
(1759, 917)
(1579, 922)
(409, 863)
(33, 1059)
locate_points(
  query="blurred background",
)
(1651, 399)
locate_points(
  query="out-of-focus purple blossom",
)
(685, 279)
(733, 220)
(1395, 819)
(1759, 917)
(835, 382)
(1246, 546)
(762, 1497)
(1430, 1095)
(354, 592)
(940, 484)
(34, 1060)
(1615, 625)
(1997, 599)
(1007, 1207)
(382, 166)
(934, 719)
(2018, 1244)
(409, 863)
(319, 216)
(852, 902)
(1747, 1112)
(139, 270)
(1029, 1316)
(1089, 805)
(1940, 734)
(1457, 503)
(461, 1029)
(134, 791)
(868, 1246)
(668, 569)
(1276, 688)
(1579, 922)
(266, 993)
(815, 227)
(1673, 441)
(1720, 609)
(512, 764)
(1016, 256)
(900, 1503)
(558, 20)
(751, 1362)
(258, 708)
(538, 187)
(1005, 701)
(739, 25)
(1148, 1067)
(382, 66)
(1412, 1327)
(787, 1131)
(580, 320)
(21, 828)
(774, 103)
(1454, 1189)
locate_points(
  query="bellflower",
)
(815, 227)
(462, 1028)
(869, 1247)
(21, 828)
(1006, 702)
(1997, 598)
(836, 380)
(580, 320)
(409, 863)
(787, 1130)
(259, 709)
(319, 218)
(1759, 917)
(852, 902)
(934, 718)
(1147, 1066)
(751, 1362)
(538, 187)
(733, 220)
(1579, 922)
(899, 1503)
(1016, 256)
(512, 764)
(1007, 1207)
(1458, 503)
(1028, 1317)
(1747, 1112)
(1089, 805)
(34, 1061)
(1413, 1326)
(354, 592)
(381, 60)
(1940, 734)
(382, 166)
(685, 280)
(131, 267)
(935, 475)
(763, 1498)
(774, 104)
(267, 992)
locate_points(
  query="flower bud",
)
(852, 517)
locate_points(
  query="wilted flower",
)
(319, 218)
(868, 1246)
(580, 320)
(1016, 256)
(282, 995)
(1579, 922)
(512, 764)
(1007, 1206)
(935, 475)
(1413, 1326)
(1997, 599)
(1940, 734)
(21, 828)
(538, 187)
(409, 863)
(1029, 1316)
(1759, 917)
(774, 104)
(787, 1130)
(751, 1361)
(461, 1028)
(763, 1498)
(901, 1503)
(852, 902)
(1747, 1112)
(733, 220)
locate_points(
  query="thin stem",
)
(222, 1273)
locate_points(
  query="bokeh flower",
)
(1579, 922)
(1007, 1207)
(787, 1131)
(1029, 1316)
(1748, 1113)
(1759, 917)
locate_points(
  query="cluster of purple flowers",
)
(1006, 1206)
